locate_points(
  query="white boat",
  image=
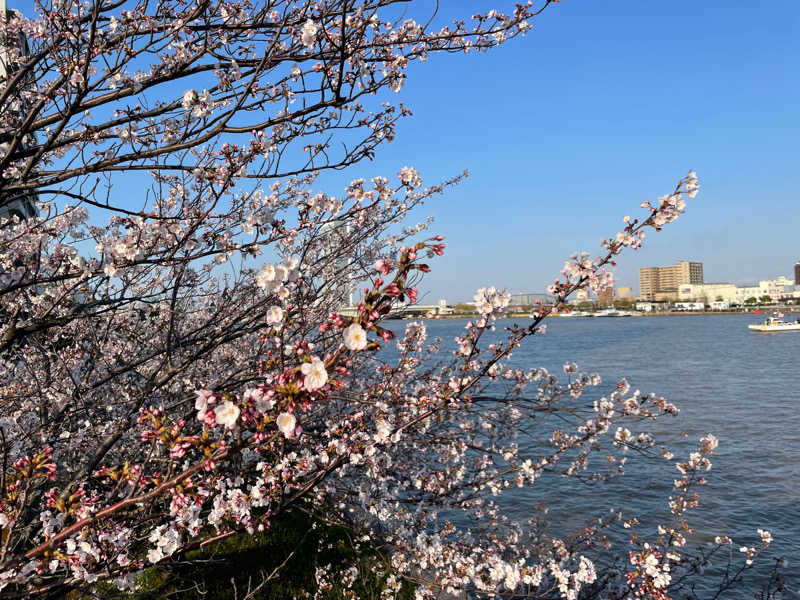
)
(611, 312)
(774, 324)
(576, 313)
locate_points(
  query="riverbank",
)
(763, 312)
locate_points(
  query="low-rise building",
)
(766, 287)
(650, 306)
(791, 293)
(518, 300)
(733, 294)
(690, 306)
(707, 292)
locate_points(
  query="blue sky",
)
(601, 106)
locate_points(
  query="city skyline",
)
(629, 289)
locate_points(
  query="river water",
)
(742, 386)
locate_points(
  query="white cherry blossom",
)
(226, 414)
(314, 374)
(355, 338)
(309, 34)
(274, 315)
(286, 424)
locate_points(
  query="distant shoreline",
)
(526, 315)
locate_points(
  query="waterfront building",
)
(440, 309)
(662, 283)
(648, 282)
(732, 294)
(774, 288)
(797, 273)
(605, 297)
(708, 292)
(690, 306)
(791, 292)
(651, 306)
(518, 300)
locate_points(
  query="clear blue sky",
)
(603, 105)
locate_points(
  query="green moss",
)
(228, 569)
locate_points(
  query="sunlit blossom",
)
(309, 34)
(314, 374)
(274, 315)
(355, 338)
(226, 414)
(190, 98)
(286, 424)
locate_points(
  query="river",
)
(742, 386)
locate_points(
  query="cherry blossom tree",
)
(177, 367)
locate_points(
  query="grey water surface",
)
(742, 386)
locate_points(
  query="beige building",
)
(605, 297)
(662, 283)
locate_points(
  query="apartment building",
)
(662, 283)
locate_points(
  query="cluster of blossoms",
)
(211, 412)
(490, 301)
(672, 205)
(272, 277)
(309, 34)
(409, 176)
(654, 573)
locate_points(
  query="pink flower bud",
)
(382, 266)
(392, 290)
